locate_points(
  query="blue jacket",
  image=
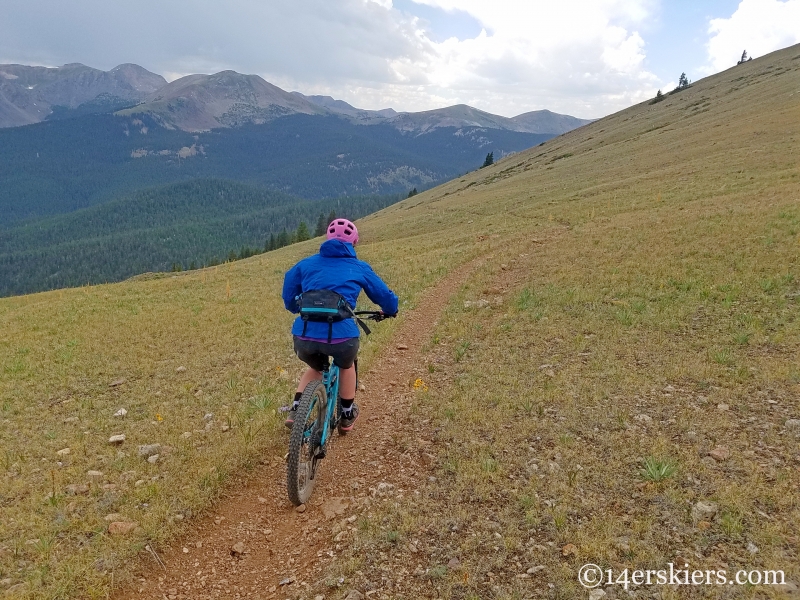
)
(335, 268)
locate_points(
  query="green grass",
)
(658, 469)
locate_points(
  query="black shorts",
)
(315, 354)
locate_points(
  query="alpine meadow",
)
(595, 361)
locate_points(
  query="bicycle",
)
(314, 422)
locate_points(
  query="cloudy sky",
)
(586, 58)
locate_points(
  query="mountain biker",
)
(336, 269)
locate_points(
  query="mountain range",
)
(227, 99)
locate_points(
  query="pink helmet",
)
(343, 230)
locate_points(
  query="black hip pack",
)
(325, 306)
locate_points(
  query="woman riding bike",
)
(337, 272)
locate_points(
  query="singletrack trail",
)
(283, 551)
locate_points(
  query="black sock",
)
(347, 405)
(296, 399)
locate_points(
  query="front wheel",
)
(306, 433)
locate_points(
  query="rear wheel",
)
(304, 441)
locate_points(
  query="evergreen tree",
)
(331, 217)
(321, 225)
(283, 239)
(232, 256)
(412, 193)
(683, 82)
(744, 58)
(302, 234)
(489, 160)
(270, 245)
(659, 97)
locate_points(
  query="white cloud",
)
(758, 26)
(580, 57)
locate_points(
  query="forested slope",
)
(181, 225)
(64, 165)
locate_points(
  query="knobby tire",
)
(311, 414)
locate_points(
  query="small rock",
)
(704, 525)
(319, 597)
(121, 413)
(643, 418)
(300, 509)
(504, 267)
(669, 389)
(149, 450)
(286, 581)
(15, 589)
(569, 550)
(138, 482)
(6, 582)
(384, 488)
(225, 428)
(720, 453)
(402, 347)
(354, 595)
(752, 548)
(453, 563)
(722, 407)
(71, 420)
(117, 382)
(76, 489)
(117, 439)
(121, 527)
(704, 510)
(186, 435)
(622, 545)
(792, 425)
(334, 507)
(708, 461)
(109, 487)
(208, 416)
(362, 388)
(597, 594)
(237, 550)
(180, 369)
(153, 459)
(94, 475)
(63, 451)
(481, 303)
(536, 569)
(789, 588)
(113, 517)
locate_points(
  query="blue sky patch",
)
(442, 24)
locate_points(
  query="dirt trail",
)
(285, 551)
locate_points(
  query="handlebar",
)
(373, 315)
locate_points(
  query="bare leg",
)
(309, 376)
(347, 382)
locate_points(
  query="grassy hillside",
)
(193, 223)
(643, 313)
